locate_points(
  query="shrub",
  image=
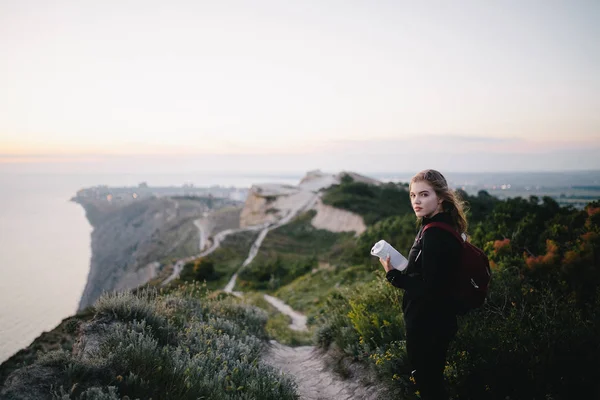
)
(274, 273)
(54, 358)
(538, 336)
(214, 352)
(127, 307)
(201, 269)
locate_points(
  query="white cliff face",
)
(257, 209)
(269, 203)
(336, 220)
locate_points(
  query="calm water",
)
(45, 246)
(44, 257)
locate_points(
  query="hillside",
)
(115, 228)
(542, 312)
(133, 242)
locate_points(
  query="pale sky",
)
(314, 83)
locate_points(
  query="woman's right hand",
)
(387, 265)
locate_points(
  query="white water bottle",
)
(382, 249)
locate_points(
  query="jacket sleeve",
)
(396, 278)
(440, 252)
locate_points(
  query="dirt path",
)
(216, 242)
(266, 227)
(307, 366)
(315, 381)
(298, 320)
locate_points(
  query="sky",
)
(265, 85)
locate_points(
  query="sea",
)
(45, 238)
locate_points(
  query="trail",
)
(315, 382)
(304, 364)
(293, 212)
(201, 232)
(217, 239)
(298, 320)
(307, 366)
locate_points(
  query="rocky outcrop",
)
(272, 202)
(259, 207)
(336, 220)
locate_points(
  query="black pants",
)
(426, 350)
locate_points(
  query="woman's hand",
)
(387, 265)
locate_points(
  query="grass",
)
(227, 260)
(278, 324)
(308, 293)
(288, 252)
(300, 238)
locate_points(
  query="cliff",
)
(271, 202)
(336, 220)
(131, 242)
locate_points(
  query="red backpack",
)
(473, 277)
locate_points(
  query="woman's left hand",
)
(387, 265)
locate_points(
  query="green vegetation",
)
(218, 267)
(181, 344)
(278, 324)
(537, 336)
(373, 203)
(308, 293)
(288, 252)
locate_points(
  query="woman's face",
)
(424, 200)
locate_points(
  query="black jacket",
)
(432, 261)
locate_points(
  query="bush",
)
(274, 273)
(127, 307)
(521, 344)
(362, 318)
(214, 352)
(201, 269)
(538, 336)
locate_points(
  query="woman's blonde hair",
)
(451, 200)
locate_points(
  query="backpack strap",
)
(445, 227)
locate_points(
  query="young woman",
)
(429, 314)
